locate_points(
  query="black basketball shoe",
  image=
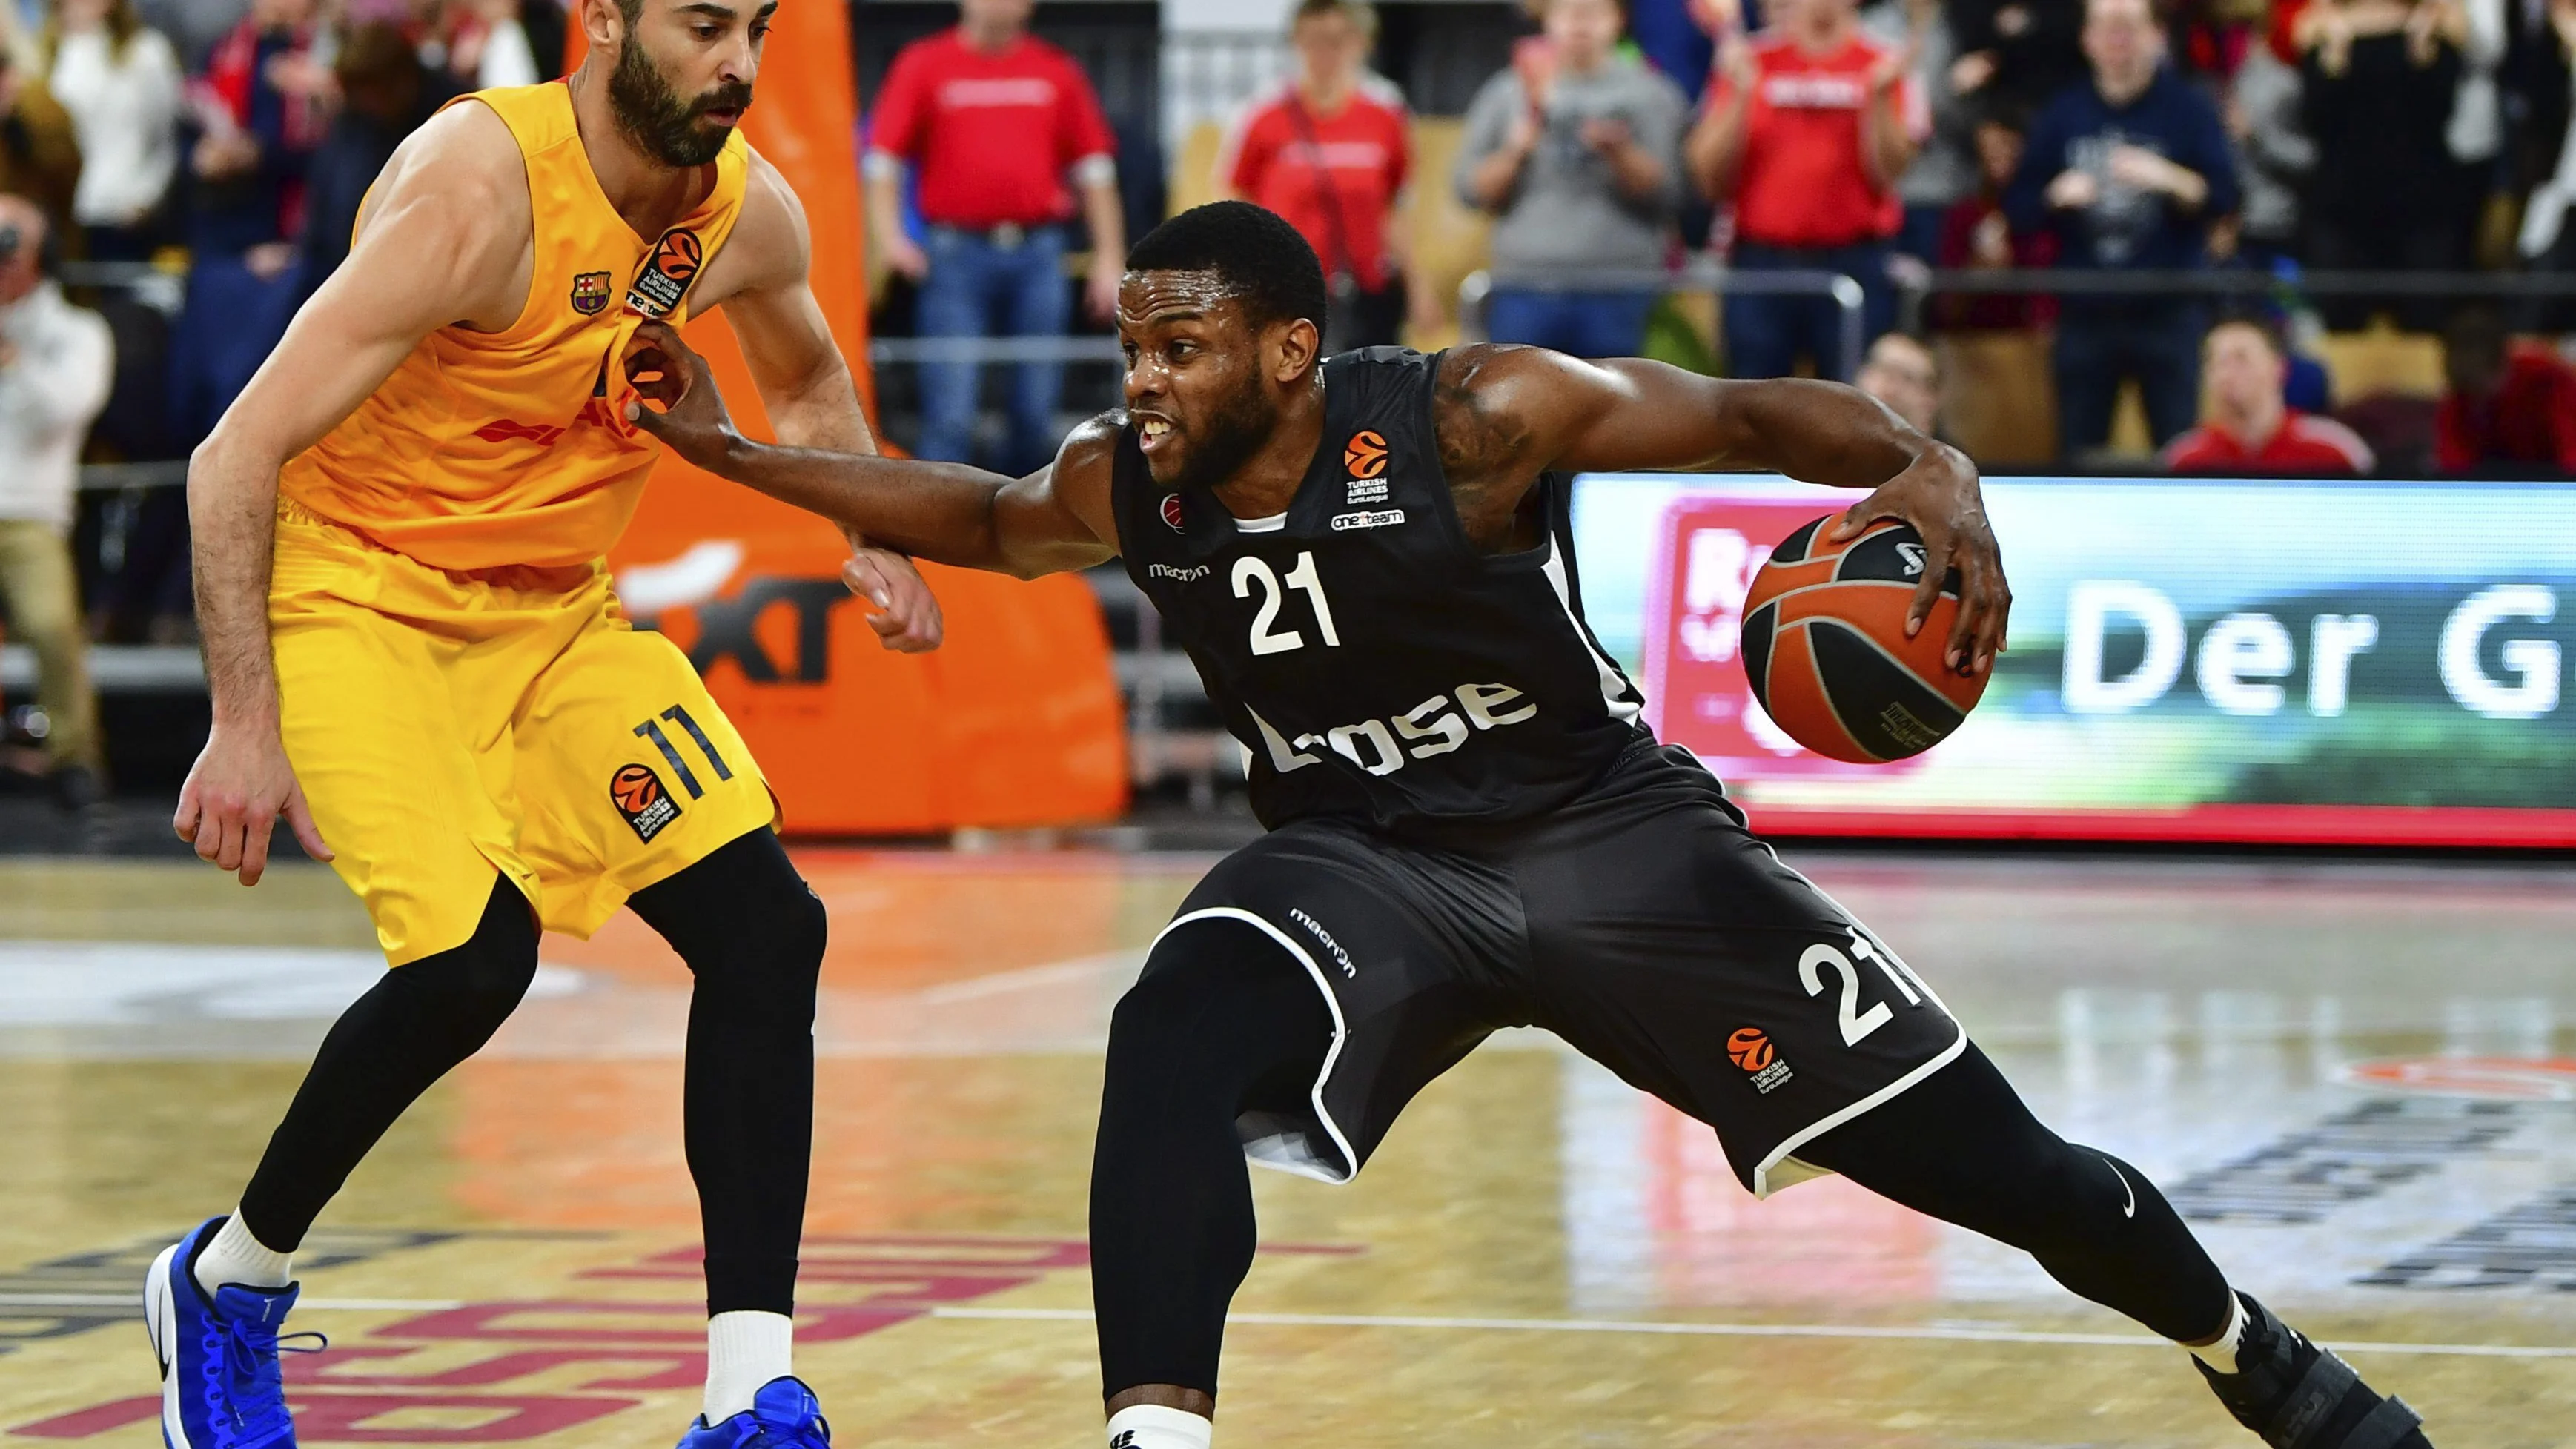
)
(2299, 1396)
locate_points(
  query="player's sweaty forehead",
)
(1150, 300)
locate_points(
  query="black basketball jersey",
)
(1375, 666)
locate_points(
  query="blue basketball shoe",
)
(220, 1385)
(783, 1415)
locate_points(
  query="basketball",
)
(1825, 646)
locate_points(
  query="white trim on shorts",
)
(1763, 1185)
(1289, 1151)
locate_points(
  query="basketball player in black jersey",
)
(1369, 561)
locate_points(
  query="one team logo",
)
(638, 794)
(1365, 455)
(667, 273)
(1172, 511)
(590, 292)
(1750, 1048)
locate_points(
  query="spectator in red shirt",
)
(1331, 151)
(993, 121)
(1805, 133)
(1977, 235)
(2507, 404)
(2246, 426)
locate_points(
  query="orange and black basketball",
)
(635, 788)
(1825, 645)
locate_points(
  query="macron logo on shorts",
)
(1315, 927)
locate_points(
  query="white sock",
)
(744, 1351)
(2221, 1356)
(234, 1256)
(1152, 1426)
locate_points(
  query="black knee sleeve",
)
(410, 1029)
(1963, 1147)
(1222, 1023)
(753, 935)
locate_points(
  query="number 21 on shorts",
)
(1821, 959)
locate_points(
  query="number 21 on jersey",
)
(1267, 637)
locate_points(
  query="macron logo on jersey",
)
(1190, 575)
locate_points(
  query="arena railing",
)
(1700, 275)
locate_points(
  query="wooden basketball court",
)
(2359, 1081)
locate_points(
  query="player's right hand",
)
(239, 786)
(692, 422)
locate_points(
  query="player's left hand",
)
(907, 620)
(692, 422)
(1938, 495)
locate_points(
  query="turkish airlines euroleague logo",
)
(638, 795)
(1750, 1048)
(667, 273)
(1365, 455)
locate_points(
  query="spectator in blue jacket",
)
(2129, 169)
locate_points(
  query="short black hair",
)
(1258, 257)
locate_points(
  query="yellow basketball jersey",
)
(489, 449)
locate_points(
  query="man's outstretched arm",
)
(1055, 520)
(760, 279)
(1627, 414)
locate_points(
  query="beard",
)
(664, 126)
(1241, 423)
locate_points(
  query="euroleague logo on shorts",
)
(666, 277)
(1750, 1048)
(1365, 455)
(638, 795)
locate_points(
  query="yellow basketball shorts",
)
(447, 727)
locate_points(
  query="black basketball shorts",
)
(1641, 923)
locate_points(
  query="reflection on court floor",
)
(2357, 1081)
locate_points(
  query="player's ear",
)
(603, 22)
(1295, 351)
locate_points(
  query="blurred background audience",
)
(1808, 128)
(119, 80)
(2247, 424)
(988, 123)
(1332, 151)
(2128, 167)
(56, 362)
(1574, 150)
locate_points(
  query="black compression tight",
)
(753, 936)
(1230, 1024)
(408, 1031)
(1961, 1146)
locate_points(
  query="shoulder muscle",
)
(448, 229)
(771, 245)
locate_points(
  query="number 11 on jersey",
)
(1266, 639)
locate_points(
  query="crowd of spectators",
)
(223, 145)
(1910, 145)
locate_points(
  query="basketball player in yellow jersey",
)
(415, 657)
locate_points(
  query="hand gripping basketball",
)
(692, 420)
(1938, 495)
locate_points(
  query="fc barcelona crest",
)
(590, 291)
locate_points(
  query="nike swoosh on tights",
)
(2128, 1209)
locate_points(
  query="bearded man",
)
(415, 656)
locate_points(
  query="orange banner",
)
(1016, 721)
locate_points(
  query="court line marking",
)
(134, 1301)
(1751, 1330)
(1922, 1333)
